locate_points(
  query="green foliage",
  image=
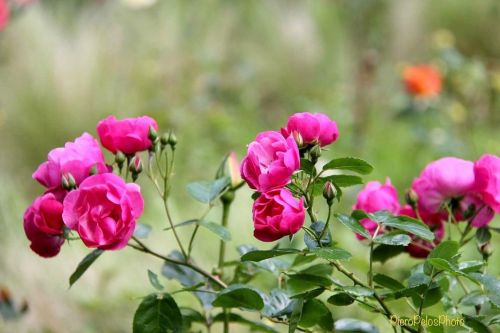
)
(158, 313)
(349, 163)
(207, 191)
(239, 296)
(84, 265)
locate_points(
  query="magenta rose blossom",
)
(4, 14)
(277, 214)
(76, 158)
(43, 225)
(313, 127)
(374, 197)
(420, 248)
(487, 176)
(103, 211)
(270, 162)
(442, 180)
(130, 135)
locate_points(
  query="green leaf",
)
(383, 252)
(84, 265)
(341, 299)
(157, 313)
(153, 279)
(353, 224)
(317, 229)
(477, 325)
(307, 166)
(349, 163)
(296, 315)
(260, 255)
(354, 325)
(239, 296)
(388, 282)
(332, 253)
(142, 230)
(254, 326)
(410, 225)
(219, 230)
(207, 191)
(444, 265)
(358, 291)
(393, 239)
(470, 266)
(343, 180)
(445, 250)
(313, 312)
(492, 286)
(300, 283)
(474, 298)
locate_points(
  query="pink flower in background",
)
(374, 197)
(103, 211)
(76, 158)
(270, 162)
(442, 180)
(422, 80)
(420, 248)
(313, 127)
(277, 214)
(43, 225)
(130, 135)
(487, 176)
(4, 14)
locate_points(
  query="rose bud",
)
(172, 140)
(315, 154)
(152, 135)
(329, 192)
(411, 198)
(135, 167)
(164, 140)
(68, 181)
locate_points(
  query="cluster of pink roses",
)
(82, 193)
(468, 190)
(269, 165)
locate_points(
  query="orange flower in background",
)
(4, 14)
(422, 80)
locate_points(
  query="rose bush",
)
(448, 207)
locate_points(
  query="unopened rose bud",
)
(486, 250)
(234, 170)
(120, 158)
(135, 167)
(411, 198)
(164, 140)
(172, 140)
(152, 135)
(315, 153)
(298, 139)
(329, 192)
(68, 182)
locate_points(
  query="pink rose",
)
(420, 248)
(375, 197)
(277, 214)
(313, 127)
(104, 210)
(442, 180)
(130, 135)
(43, 225)
(4, 14)
(487, 175)
(76, 158)
(270, 162)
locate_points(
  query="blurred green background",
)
(217, 72)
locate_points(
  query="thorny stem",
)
(325, 229)
(222, 249)
(370, 271)
(143, 248)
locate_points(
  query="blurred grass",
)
(217, 72)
